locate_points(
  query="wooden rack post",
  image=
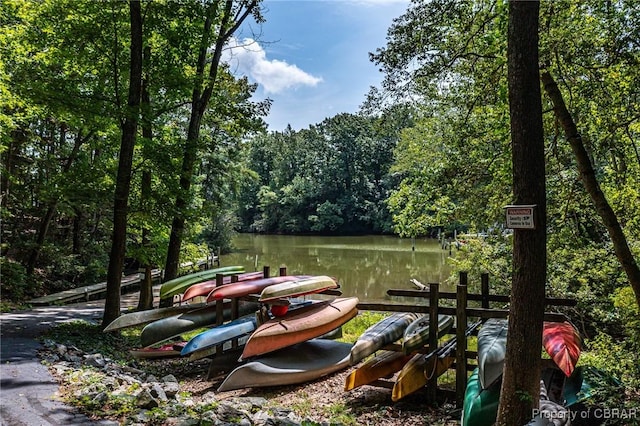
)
(434, 295)
(461, 339)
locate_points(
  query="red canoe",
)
(300, 325)
(244, 288)
(204, 288)
(563, 343)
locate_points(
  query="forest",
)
(127, 142)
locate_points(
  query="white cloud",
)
(249, 58)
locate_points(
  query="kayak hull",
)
(299, 325)
(492, 347)
(245, 288)
(563, 344)
(381, 334)
(303, 362)
(167, 328)
(301, 287)
(384, 364)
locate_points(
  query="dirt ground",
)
(325, 399)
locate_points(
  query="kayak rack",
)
(462, 329)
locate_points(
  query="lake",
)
(365, 266)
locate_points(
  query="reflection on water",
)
(365, 266)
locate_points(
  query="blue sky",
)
(311, 57)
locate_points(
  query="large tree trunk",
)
(199, 104)
(588, 177)
(521, 379)
(145, 301)
(123, 180)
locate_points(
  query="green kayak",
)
(480, 406)
(180, 284)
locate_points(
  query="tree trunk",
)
(588, 177)
(123, 180)
(145, 301)
(199, 103)
(521, 379)
(51, 209)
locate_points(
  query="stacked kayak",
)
(300, 325)
(381, 334)
(299, 363)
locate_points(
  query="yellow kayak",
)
(381, 365)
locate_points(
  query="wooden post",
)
(484, 280)
(235, 311)
(434, 295)
(461, 339)
(265, 271)
(283, 271)
(219, 309)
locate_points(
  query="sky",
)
(311, 57)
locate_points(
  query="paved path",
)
(28, 392)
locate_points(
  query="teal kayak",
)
(480, 406)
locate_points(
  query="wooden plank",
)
(84, 292)
(471, 312)
(552, 301)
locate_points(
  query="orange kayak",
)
(384, 364)
(300, 325)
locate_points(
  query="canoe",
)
(416, 335)
(205, 287)
(220, 334)
(492, 347)
(381, 334)
(297, 288)
(384, 364)
(180, 284)
(303, 362)
(133, 319)
(170, 350)
(246, 288)
(167, 328)
(480, 407)
(300, 325)
(562, 342)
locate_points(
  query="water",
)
(365, 266)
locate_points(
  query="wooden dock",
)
(91, 291)
(128, 283)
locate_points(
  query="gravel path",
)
(28, 392)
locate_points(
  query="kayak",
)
(480, 406)
(167, 328)
(170, 350)
(414, 375)
(300, 325)
(220, 334)
(205, 287)
(384, 364)
(133, 319)
(180, 284)
(303, 362)
(492, 347)
(245, 288)
(416, 335)
(381, 334)
(302, 287)
(562, 342)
